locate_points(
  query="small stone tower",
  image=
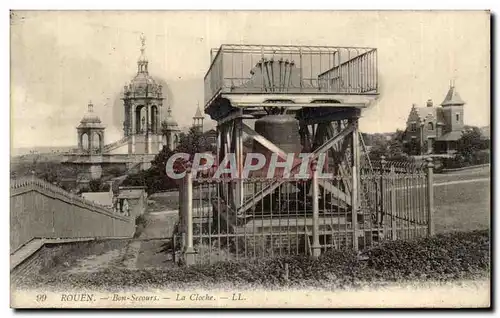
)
(171, 130)
(198, 119)
(90, 133)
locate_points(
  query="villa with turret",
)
(436, 129)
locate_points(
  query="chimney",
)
(429, 103)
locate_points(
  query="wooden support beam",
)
(328, 115)
(339, 151)
(336, 192)
(302, 105)
(232, 116)
(327, 145)
(271, 187)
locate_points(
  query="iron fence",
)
(308, 216)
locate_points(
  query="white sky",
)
(61, 60)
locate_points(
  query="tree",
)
(392, 149)
(155, 178)
(413, 147)
(470, 143)
(379, 148)
(95, 185)
(194, 142)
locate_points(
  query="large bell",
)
(283, 132)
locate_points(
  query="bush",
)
(95, 185)
(153, 180)
(481, 157)
(461, 255)
(450, 256)
(459, 161)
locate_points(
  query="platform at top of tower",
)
(249, 75)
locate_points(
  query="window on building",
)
(458, 117)
(413, 127)
(431, 126)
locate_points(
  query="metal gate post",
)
(393, 203)
(316, 247)
(430, 197)
(189, 251)
(355, 204)
(382, 190)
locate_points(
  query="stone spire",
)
(142, 63)
(198, 118)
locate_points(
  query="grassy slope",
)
(462, 207)
(476, 173)
(465, 206)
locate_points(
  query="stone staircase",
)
(116, 144)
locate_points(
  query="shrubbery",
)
(460, 161)
(442, 257)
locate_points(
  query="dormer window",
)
(413, 127)
(430, 126)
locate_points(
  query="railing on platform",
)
(303, 216)
(269, 69)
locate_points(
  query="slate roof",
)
(452, 98)
(436, 112)
(198, 113)
(451, 136)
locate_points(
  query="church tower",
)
(143, 104)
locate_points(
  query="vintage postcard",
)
(250, 159)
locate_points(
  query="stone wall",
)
(41, 210)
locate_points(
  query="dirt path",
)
(131, 255)
(94, 263)
(461, 181)
(160, 225)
